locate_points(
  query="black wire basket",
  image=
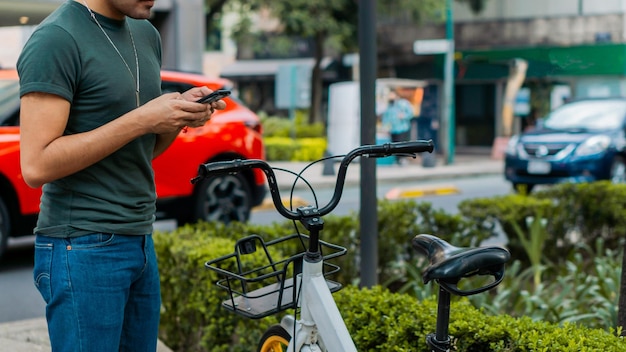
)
(260, 276)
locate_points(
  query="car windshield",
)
(9, 102)
(596, 115)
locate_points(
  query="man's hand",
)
(185, 112)
(170, 112)
(198, 92)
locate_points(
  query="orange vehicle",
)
(232, 133)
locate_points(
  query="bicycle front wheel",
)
(275, 339)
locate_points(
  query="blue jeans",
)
(102, 292)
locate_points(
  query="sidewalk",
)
(464, 165)
(32, 335)
(320, 175)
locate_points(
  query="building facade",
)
(573, 48)
(178, 22)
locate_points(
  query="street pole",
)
(292, 99)
(367, 81)
(448, 83)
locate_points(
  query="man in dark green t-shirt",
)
(92, 119)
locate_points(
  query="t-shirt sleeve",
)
(49, 63)
(158, 46)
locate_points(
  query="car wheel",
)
(5, 227)
(618, 171)
(223, 198)
(523, 188)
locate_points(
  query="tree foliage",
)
(475, 5)
(331, 24)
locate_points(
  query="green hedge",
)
(398, 223)
(383, 321)
(192, 319)
(293, 140)
(296, 128)
(288, 149)
(574, 216)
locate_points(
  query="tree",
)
(475, 5)
(327, 22)
(331, 24)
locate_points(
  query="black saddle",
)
(449, 264)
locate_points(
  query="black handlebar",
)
(376, 151)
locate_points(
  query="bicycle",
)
(301, 281)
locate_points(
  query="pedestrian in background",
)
(397, 120)
(92, 120)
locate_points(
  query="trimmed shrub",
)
(573, 215)
(192, 318)
(277, 127)
(576, 286)
(383, 321)
(289, 149)
(502, 212)
(293, 140)
(586, 212)
(297, 128)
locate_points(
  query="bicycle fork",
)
(321, 327)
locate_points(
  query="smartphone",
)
(215, 96)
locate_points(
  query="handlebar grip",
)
(220, 166)
(410, 147)
(229, 166)
(413, 147)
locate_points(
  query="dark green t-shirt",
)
(69, 56)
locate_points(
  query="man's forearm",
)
(163, 141)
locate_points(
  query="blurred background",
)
(514, 60)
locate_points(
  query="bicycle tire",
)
(275, 339)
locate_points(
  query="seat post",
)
(440, 340)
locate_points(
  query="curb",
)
(399, 193)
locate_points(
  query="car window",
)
(9, 103)
(588, 115)
(170, 87)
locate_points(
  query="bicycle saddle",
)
(449, 264)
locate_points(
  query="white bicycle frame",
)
(320, 322)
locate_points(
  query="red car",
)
(233, 133)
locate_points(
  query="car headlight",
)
(593, 145)
(511, 147)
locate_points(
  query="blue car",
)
(581, 141)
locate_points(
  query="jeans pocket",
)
(42, 268)
(94, 240)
